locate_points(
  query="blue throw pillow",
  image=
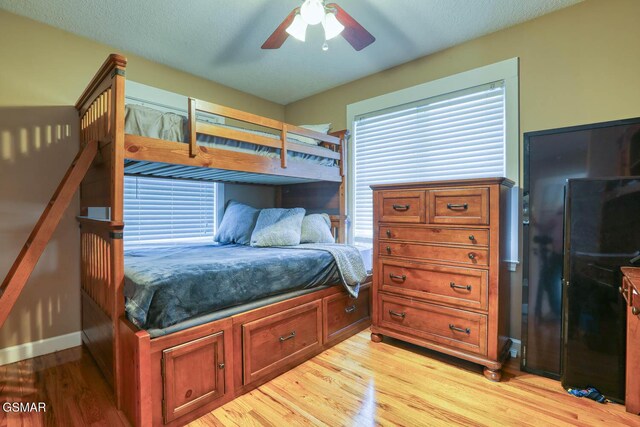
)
(278, 227)
(237, 223)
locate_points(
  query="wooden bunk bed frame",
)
(178, 377)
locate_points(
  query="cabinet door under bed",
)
(193, 375)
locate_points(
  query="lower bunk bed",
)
(197, 348)
(209, 322)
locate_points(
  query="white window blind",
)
(454, 136)
(168, 211)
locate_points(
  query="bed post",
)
(117, 215)
(101, 109)
(344, 138)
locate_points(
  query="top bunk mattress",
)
(152, 123)
(165, 286)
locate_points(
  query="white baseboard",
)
(515, 347)
(38, 348)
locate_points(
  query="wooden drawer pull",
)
(350, 309)
(389, 250)
(635, 311)
(472, 255)
(388, 233)
(401, 208)
(397, 277)
(396, 314)
(454, 286)
(461, 206)
(455, 328)
(288, 337)
(472, 237)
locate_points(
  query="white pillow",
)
(316, 228)
(322, 128)
(278, 227)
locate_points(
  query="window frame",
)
(506, 71)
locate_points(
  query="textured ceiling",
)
(220, 39)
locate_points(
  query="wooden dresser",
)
(631, 291)
(439, 280)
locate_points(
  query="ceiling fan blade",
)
(278, 37)
(353, 32)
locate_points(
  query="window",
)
(168, 211)
(458, 135)
(461, 126)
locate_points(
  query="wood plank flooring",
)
(356, 383)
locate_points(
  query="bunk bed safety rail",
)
(96, 245)
(95, 124)
(199, 127)
(96, 104)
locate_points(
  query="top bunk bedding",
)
(152, 123)
(166, 286)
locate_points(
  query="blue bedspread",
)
(164, 286)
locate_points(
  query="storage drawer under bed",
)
(285, 338)
(344, 315)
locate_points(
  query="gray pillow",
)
(278, 227)
(237, 223)
(316, 228)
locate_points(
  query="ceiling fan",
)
(333, 18)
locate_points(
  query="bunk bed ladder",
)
(43, 230)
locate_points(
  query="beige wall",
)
(43, 72)
(578, 65)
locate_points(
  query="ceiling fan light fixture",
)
(312, 11)
(298, 28)
(332, 27)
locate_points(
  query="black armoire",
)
(552, 157)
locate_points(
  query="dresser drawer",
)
(344, 314)
(402, 206)
(461, 206)
(447, 326)
(477, 257)
(460, 236)
(459, 287)
(271, 343)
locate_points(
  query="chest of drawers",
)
(631, 291)
(439, 280)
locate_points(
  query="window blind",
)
(168, 211)
(454, 136)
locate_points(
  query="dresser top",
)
(448, 183)
(633, 273)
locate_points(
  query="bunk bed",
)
(171, 375)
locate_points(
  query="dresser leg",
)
(376, 337)
(493, 374)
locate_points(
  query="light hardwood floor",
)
(356, 383)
